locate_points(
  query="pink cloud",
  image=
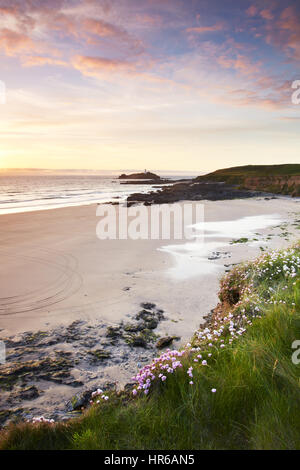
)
(206, 29)
(284, 32)
(266, 14)
(240, 63)
(14, 43)
(245, 66)
(56, 21)
(32, 61)
(268, 92)
(225, 61)
(245, 98)
(94, 27)
(101, 28)
(23, 21)
(7, 10)
(35, 20)
(96, 66)
(252, 10)
(101, 67)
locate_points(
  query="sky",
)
(191, 85)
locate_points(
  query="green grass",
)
(240, 240)
(266, 178)
(253, 170)
(257, 402)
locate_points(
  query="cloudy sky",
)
(190, 85)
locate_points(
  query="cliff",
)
(277, 179)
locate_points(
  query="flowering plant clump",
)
(97, 396)
(161, 366)
(170, 361)
(274, 265)
(242, 303)
(279, 264)
(42, 419)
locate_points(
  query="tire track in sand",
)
(66, 284)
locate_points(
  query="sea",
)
(32, 192)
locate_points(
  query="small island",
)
(146, 175)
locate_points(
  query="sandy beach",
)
(55, 271)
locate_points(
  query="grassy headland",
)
(277, 179)
(235, 386)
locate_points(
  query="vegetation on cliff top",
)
(235, 386)
(247, 171)
(277, 179)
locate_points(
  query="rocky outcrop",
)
(287, 185)
(190, 191)
(147, 175)
(166, 341)
(276, 179)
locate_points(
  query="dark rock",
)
(113, 332)
(29, 393)
(152, 323)
(45, 369)
(150, 317)
(109, 386)
(148, 305)
(129, 386)
(79, 401)
(74, 383)
(99, 355)
(160, 315)
(191, 190)
(133, 327)
(4, 415)
(142, 339)
(57, 376)
(145, 315)
(89, 343)
(138, 341)
(166, 341)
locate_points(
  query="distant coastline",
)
(25, 190)
(229, 183)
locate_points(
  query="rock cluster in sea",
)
(190, 191)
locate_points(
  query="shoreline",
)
(105, 285)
